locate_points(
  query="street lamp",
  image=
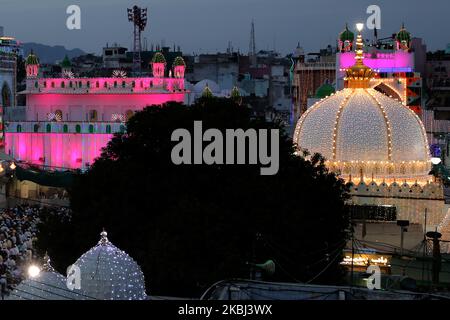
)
(33, 271)
(436, 160)
(360, 26)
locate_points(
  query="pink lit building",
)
(67, 120)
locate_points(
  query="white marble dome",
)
(364, 133)
(108, 273)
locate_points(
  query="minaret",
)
(179, 67)
(158, 65)
(403, 39)
(32, 66)
(346, 39)
(66, 66)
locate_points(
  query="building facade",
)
(67, 121)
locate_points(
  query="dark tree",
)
(189, 226)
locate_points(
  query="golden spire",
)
(359, 75)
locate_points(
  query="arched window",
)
(45, 84)
(19, 128)
(97, 84)
(105, 84)
(49, 128)
(63, 84)
(93, 115)
(115, 84)
(123, 84)
(36, 128)
(65, 128)
(58, 115)
(91, 128)
(70, 84)
(80, 84)
(133, 84)
(53, 84)
(108, 128)
(88, 84)
(36, 84)
(78, 128)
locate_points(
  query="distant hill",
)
(50, 54)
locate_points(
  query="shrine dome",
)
(365, 134)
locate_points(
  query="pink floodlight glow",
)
(385, 62)
(61, 150)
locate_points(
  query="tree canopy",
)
(189, 226)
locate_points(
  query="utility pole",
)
(424, 245)
(435, 236)
(403, 224)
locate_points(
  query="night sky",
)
(203, 26)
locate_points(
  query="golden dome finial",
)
(359, 75)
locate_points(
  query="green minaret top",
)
(403, 34)
(66, 64)
(32, 59)
(179, 61)
(158, 58)
(346, 35)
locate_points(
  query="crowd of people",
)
(18, 233)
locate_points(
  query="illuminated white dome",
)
(108, 273)
(363, 133)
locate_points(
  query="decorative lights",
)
(108, 273)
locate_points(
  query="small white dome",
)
(108, 273)
(48, 285)
(201, 85)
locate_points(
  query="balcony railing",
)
(64, 127)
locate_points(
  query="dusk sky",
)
(203, 26)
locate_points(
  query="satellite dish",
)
(268, 267)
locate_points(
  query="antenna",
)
(138, 17)
(252, 46)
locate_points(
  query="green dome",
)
(346, 35)
(179, 61)
(325, 91)
(32, 59)
(66, 63)
(158, 58)
(403, 35)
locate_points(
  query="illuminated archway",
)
(389, 91)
